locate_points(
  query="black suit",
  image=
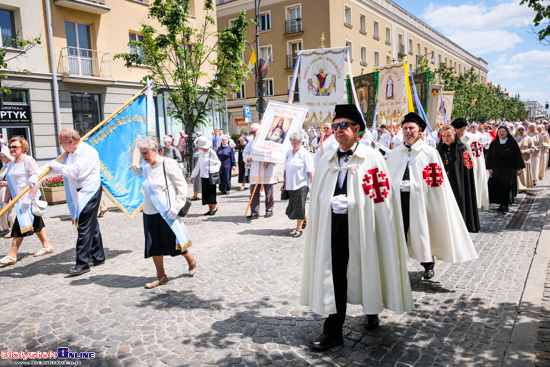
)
(89, 245)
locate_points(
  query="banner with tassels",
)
(393, 94)
(439, 101)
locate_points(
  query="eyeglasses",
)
(343, 125)
(15, 146)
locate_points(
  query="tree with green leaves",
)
(542, 16)
(194, 65)
(22, 46)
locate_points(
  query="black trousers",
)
(405, 210)
(340, 257)
(89, 245)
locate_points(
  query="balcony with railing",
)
(89, 6)
(291, 61)
(293, 26)
(83, 62)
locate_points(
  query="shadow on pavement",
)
(56, 263)
(269, 232)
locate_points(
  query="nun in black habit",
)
(504, 163)
(460, 171)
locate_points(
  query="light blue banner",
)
(116, 144)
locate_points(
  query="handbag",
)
(38, 207)
(183, 211)
(284, 195)
(213, 178)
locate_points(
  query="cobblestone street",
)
(242, 306)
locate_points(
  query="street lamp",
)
(420, 57)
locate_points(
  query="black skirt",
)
(159, 238)
(208, 192)
(296, 208)
(37, 224)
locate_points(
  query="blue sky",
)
(500, 32)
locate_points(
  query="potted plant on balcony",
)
(54, 190)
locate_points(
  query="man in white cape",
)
(355, 249)
(432, 221)
(475, 148)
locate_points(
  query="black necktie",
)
(348, 152)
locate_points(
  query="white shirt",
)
(328, 145)
(342, 163)
(208, 162)
(82, 166)
(174, 177)
(297, 167)
(21, 172)
(397, 139)
(385, 139)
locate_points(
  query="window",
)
(388, 59)
(376, 31)
(388, 36)
(86, 112)
(349, 47)
(16, 97)
(293, 48)
(376, 58)
(7, 28)
(269, 90)
(425, 50)
(135, 49)
(239, 94)
(410, 47)
(266, 54)
(363, 55)
(347, 16)
(362, 23)
(293, 20)
(80, 54)
(265, 22)
(296, 96)
(418, 48)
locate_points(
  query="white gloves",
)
(339, 204)
(172, 213)
(55, 165)
(26, 202)
(32, 181)
(405, 186)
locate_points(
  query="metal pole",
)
(51, 50)
(260, 88)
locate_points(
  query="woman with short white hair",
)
(297, 178)
(165, 192)
(208, 163)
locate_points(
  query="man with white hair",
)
(324, 143)
(268, 178)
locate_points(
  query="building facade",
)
(536, 110)
(376, 32)
(72, 80)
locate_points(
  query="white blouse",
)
(208, 162)
(177, 185)
(21, 172)
(297, 167)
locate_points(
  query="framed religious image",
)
(280, 120)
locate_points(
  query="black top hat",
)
(349, 111)
(459, 123)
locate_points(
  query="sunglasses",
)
(252, 133)
(15, 146)
(342, 125)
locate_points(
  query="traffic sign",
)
(247, 113)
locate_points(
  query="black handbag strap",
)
(166, 180)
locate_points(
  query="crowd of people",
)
(375, 199)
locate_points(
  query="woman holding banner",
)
(23, 171)
(165, 193)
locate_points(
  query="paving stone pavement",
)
(242, 309)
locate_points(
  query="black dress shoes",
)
(207, 213)
(252, 216)
(97, 263)
(268, 215)
(213, 212)
(372, 322)
(325, 342)
(73, 272)
(428, 270)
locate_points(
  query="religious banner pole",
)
(62, 156)
(255, 188)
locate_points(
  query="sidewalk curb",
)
(521, 350)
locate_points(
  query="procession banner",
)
(392, 95)
(435, 111)
(116, 144)
(421, 81)
(280, 120)
(365, 85)
(322, 82)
